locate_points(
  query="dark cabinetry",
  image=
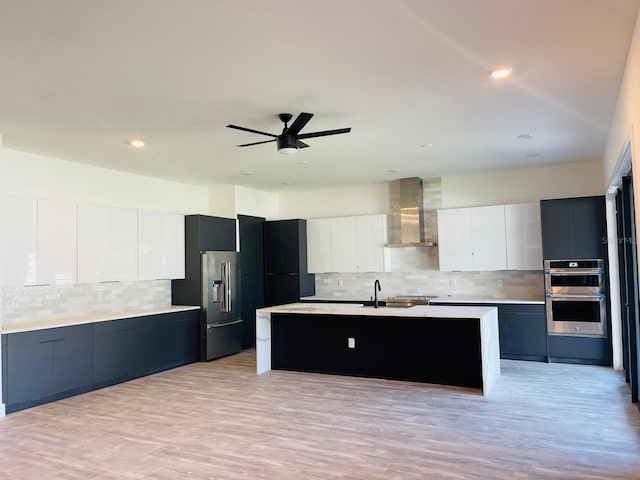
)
(523, 330)
(440, 351)
(573, 228)
(45, 362)
(46, 365)
(252, 271)
(285, 254)
(202, 233)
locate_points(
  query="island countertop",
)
(434, 311)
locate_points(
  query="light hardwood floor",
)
(220, 420)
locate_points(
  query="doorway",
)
(628, 272)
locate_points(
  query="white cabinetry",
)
(489, 248)
(454, 239)
(18, 241)
(371, 237)
(123, 244)
(173, 245)
(524, 236)
(57, 242)
(319, 245)
(160, 245)
(93, 243)
(347, 244)
(344, 245)
(499, 237)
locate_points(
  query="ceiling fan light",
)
(287, 150)
(287, 144)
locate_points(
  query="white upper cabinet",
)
(499, 237)
(319, 245)
(150, 248)
(173, 245)
(524, 236)
(347, 244)
(454, 240)
(57, 242)
(344, 245)
(160, 245)
(123, 244)
(488, 241)
(18, 241)
(93, 243)
(371, 237)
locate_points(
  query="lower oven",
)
(577, 315)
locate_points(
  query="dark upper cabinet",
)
(573, 228)
(285, 260)
(252, 267)
(202, 233)
(285, 243)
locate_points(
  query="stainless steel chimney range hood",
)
(406, 214)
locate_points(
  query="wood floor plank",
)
(219, 420)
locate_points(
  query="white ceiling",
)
(79, 79)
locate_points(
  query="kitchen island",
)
(449, 345)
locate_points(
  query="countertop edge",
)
(439, 300)
(81, 320)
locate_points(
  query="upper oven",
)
(574, 277)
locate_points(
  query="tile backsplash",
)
(503, 284)
(28, 304)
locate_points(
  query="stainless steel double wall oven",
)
(576, 302)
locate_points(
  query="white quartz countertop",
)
(445, 299)
(433, 311)
(65, 322)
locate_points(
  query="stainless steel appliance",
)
(221, 319)
(575, 292)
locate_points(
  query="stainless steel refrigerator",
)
(221, 317)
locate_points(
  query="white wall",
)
(523, 185)
(335, 202)
(627, 113)
(34, 175)
(222, 200)
(257, 203)
(485, 188)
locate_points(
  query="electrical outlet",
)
(351, 342)
(340, 283)
(500, 282)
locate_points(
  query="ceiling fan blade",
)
(255, 143)
(251, 130)
(325, 133)
(302, 144)
(299, 123)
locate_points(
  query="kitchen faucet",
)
(376, 289)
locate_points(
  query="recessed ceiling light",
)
(501, 71)
(393, 170)
(286, 183)
(532, 154)
(303, 162)
(247, 173)
(427, 145)
(525, 136)
(137, 143)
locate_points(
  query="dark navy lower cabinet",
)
(42, 364)
(46, 365)
(581, 350)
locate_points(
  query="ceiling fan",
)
(289, 140)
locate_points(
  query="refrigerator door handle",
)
(226, 324)
(225, 275)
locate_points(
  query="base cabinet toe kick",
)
(457, 346)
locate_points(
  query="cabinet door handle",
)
(55, 340)
(124, 330)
